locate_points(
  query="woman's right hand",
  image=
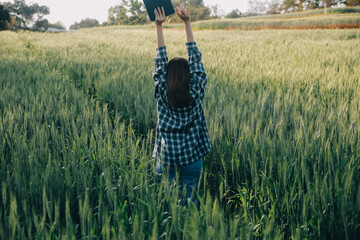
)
(160, 16)
(184, 13)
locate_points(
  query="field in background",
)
(336, 18)
(333, 21)
(76, 136)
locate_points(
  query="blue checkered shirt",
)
(181, 134)
(182, 137)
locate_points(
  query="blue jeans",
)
(189, 177)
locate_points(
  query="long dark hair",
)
(178, 81)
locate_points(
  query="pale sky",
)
(70, 11)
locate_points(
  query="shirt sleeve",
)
(197, 71)
(160, 71)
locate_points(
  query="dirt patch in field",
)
(294, 17)
(333, 26)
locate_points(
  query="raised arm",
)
(159, 19)
(184, 13)
(161, 60)
(198, 75)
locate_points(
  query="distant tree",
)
(256, 7)
(136, 7)
(216, 11)
(58, 25)
(235, 13)
(85, 23)
(301, 4)
(312, 4)
(195, 3)
(289, 5)
(138, 14)
(130, 12)
(41, 25)
(200, 13)
(74, 26)
(26, 15)
(277, 6)
(273, 6)
(5, 18)
(352, 3)
(117, 14)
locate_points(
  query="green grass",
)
(77, 129)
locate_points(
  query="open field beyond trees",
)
(336, 18)
(286, 21)
(77, 120)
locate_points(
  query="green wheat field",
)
(77, 121)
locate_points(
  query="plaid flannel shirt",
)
(181, 134)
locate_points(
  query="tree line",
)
(20, 15)
(285, 6)
(130, 12)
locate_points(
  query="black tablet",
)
(152, 4)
